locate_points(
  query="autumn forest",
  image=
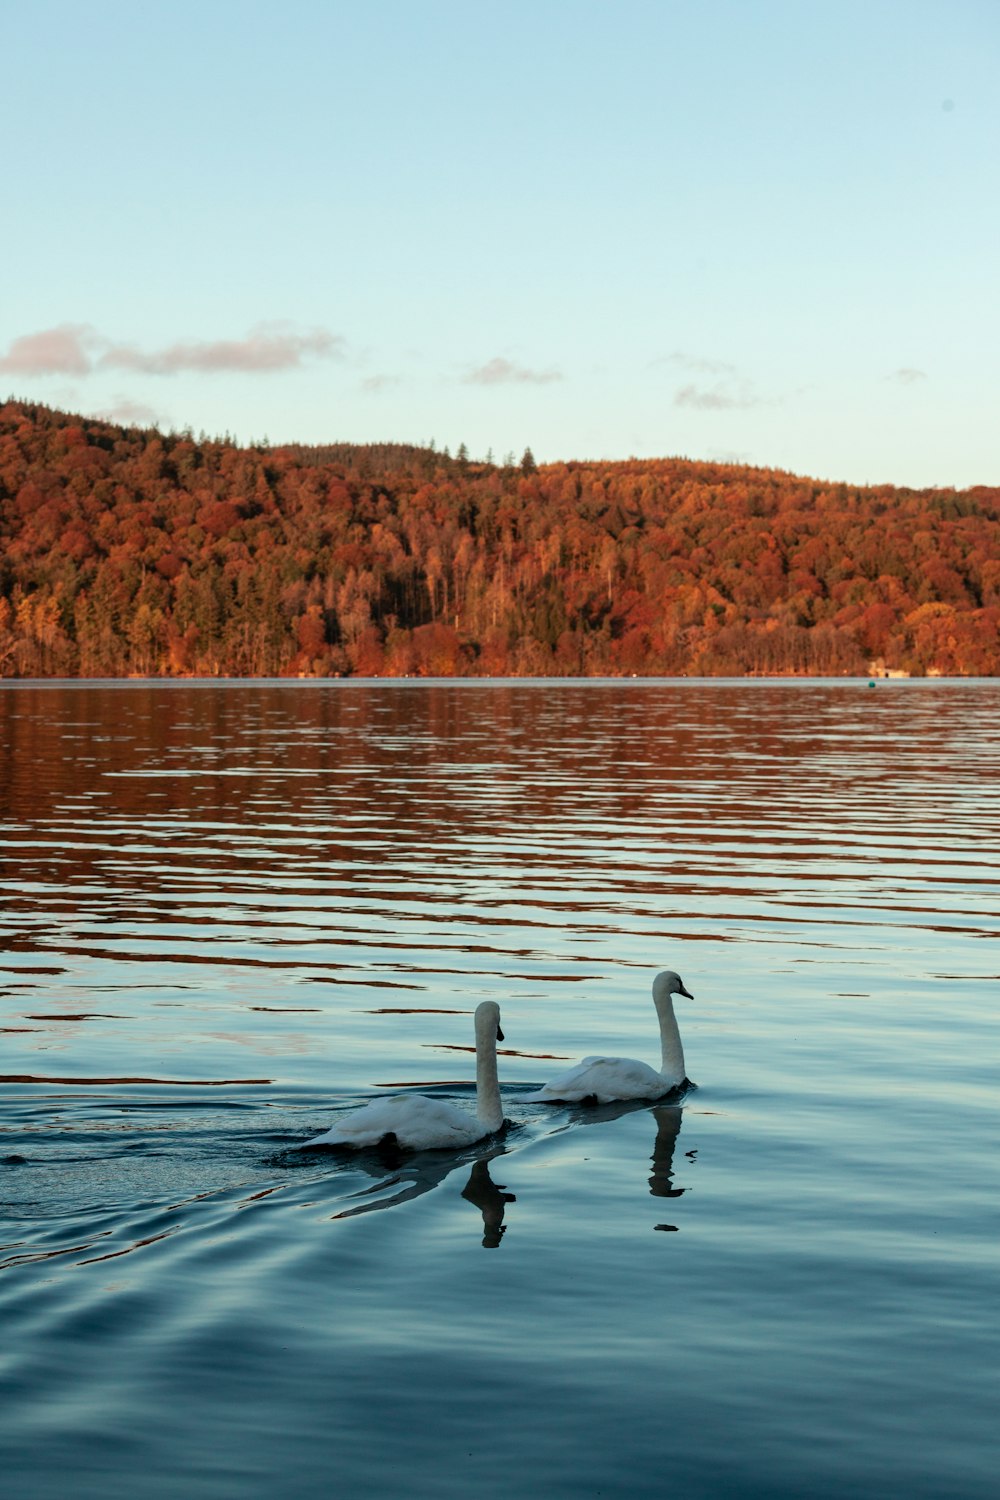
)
(132, 552)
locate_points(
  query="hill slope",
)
(130, 552)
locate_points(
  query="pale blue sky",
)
(756, 230)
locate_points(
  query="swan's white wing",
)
(606, 1079)
(418, 1123)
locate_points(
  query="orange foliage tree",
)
(129, 551)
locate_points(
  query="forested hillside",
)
(134, 552)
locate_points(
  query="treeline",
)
(129, 552)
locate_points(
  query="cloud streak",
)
(505, 372)
(716, 398)
(54, 351)
(713, 384)
(374, 385)
(907, 376)
(78, 349)
(131, 413)
(264, 351)
(697, 364)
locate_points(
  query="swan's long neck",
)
(671, 1051)
(489, 1107)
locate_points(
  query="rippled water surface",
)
(231, 910)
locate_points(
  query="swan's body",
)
(602, 1080)
(417, 1123)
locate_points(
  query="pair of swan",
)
(416, 1123)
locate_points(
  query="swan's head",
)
(668, 983)
(488, 1021)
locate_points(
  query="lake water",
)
(231, 910)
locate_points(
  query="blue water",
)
(231, 910)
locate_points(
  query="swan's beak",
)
(499, 1035)
(687, 993)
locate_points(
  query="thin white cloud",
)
(716, 385)
(504, 372)
(53, 351)
(78, 349)
(131, 413)
(720, 397)
(265, 350)
(907, 376)
(697, 364)
(374, 385)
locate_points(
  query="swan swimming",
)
(602, 1080)
(418, 1123)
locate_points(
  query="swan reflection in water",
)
(490, 1198)
(668, 1128)
(404, 1175)
(412, 1175)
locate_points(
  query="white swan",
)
(417, 1123)
(603, 1079)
